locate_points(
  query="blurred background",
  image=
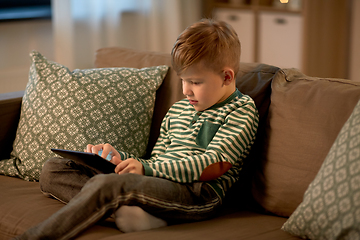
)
(319, 37)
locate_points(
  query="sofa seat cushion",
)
(22, 205)
(305, 117)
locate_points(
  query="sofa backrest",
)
(305, 117)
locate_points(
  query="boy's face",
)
(204, 87)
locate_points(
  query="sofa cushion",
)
(331, 205)
(305, 116)
(63, 109)
(22, 206)
(255, 81)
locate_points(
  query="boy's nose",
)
(186, 89)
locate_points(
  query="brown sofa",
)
(300, 118)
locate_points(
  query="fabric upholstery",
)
(331, 205)
(10, 105)
(305, 116)
(22, 205)
(300, 123)
(255, 81)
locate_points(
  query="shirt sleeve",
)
(230, 144)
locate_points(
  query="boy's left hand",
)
(130, 165)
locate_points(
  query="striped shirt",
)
(191, 142)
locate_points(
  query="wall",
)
(355, 40)
(17, 40)
(326, 38)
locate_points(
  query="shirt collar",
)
(235, 94)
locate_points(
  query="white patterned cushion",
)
(64, 109)
(331, 204)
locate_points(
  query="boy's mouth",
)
(192, 102)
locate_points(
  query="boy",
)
(197, 158)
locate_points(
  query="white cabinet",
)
(271, 37)
(280, 39)
(243, 22)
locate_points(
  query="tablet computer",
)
(91, 159)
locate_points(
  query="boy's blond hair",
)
(211, 42)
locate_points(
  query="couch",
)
(300, 118)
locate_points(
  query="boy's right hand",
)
(106, 148)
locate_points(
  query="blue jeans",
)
(91, 196)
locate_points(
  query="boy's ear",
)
(229, 76)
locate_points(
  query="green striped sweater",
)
(191, 141)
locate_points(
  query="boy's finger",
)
(121, 166)
(88, 148)
(106, 150)
(115, 160)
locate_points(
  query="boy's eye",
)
(191, 82)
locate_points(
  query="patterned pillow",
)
(64, 109)
(331, 204)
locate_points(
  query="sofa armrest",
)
(10, 105)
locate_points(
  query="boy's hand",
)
(106, 148)
(130, 165)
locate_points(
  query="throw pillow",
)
(64, 109)
(331, 205)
